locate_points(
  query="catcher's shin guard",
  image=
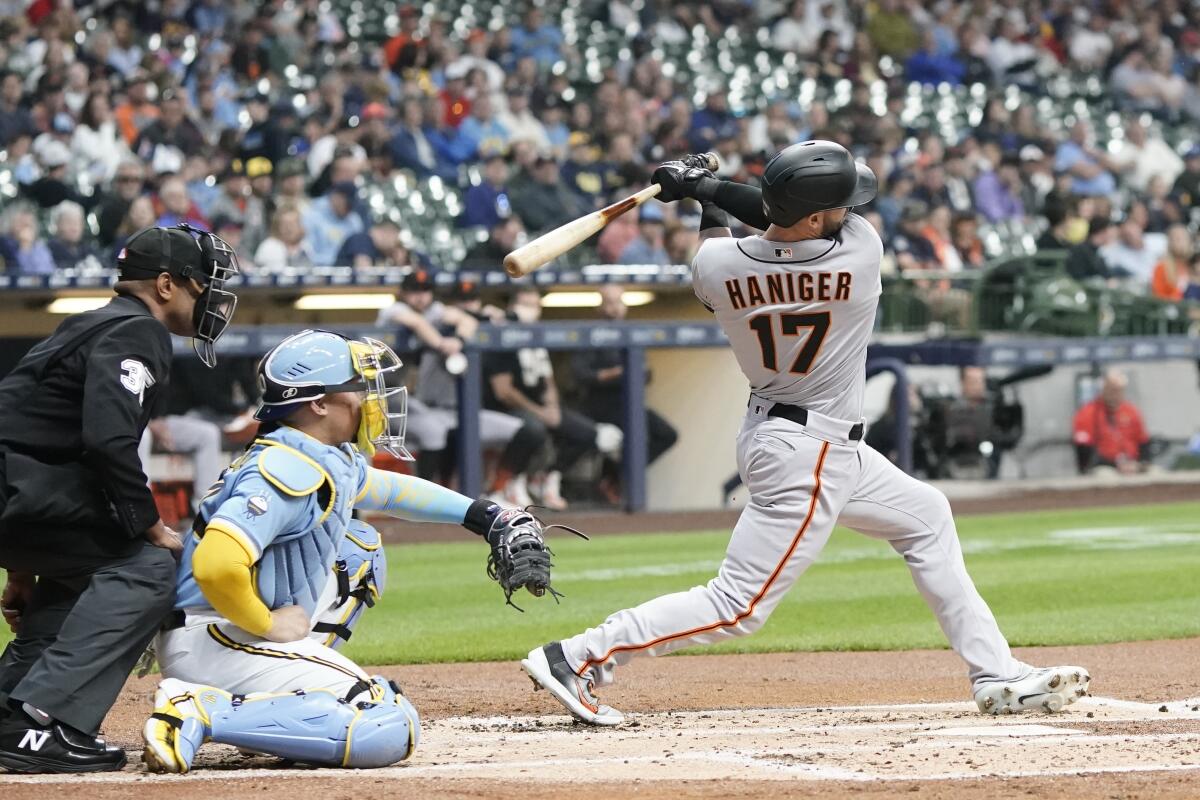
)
(375, 728)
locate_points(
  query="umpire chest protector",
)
(295, 567)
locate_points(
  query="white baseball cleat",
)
(1049, 689)
(548, 668)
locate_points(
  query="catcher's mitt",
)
(520, 557)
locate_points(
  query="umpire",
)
(91, 567)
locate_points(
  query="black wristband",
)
(712, 217)
(480, 516)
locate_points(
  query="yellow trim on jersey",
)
(221, 638)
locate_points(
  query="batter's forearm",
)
(742, 201)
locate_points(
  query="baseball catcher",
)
(277, 573)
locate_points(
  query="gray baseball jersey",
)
(798, 315)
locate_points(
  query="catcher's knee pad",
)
(361, 573)
(375, 727)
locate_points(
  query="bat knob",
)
(712, 163)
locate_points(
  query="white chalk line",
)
(1012, 727)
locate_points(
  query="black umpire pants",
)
(88, 622)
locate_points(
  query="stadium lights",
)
(77, 305)
(344, 302)
(592, 299)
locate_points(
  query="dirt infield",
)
(744, 726)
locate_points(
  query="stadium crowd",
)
(292, 130)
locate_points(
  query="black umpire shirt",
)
(72, 413)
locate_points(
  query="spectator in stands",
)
(22, 250)
(52, 187)
(487, 203)
(648, 247)
(1109, 432)
(522, 383)
(964, 235)
(237, 202)
(190, 435)
(1134, 252)
(537, 37)
(1088, 166)
(139, 215)
(545, 202)
(937, 232)
(1091, 45)
(681, 244)
(891, 29)
(14, 119)
(1010, 56)
(931, 66)
(96, 146)
(171, 129)
(287, 246)
(913, 250)
(411, 147)
(67, 245)
(125, 56)
(330, 220)
(520, 122)
(137, 110)
(503, 237)
(1186, 188)
(712, 123)
(481, 134)
(175, 207)
(126, 185)
(1172, 274)
(1084, 261)
(795, 32)
(290, 179)
(1145, 156)
(381, 246)
(998, 187)
(231, 231)
(599, 377)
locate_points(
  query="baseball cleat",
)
(548, 668)
(1049, 689)
(173, 734)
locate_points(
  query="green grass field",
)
(1069, 577)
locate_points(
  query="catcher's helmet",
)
(814, 176)
(313, 363)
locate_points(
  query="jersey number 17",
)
(790, 325)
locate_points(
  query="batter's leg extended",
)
(797, 485)
(915, 518)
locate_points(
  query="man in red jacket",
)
(1109, 430)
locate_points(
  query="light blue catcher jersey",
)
(287, 500)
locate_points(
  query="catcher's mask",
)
(314, 363)
(188, 253)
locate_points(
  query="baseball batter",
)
(798, 306)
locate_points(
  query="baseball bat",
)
(552, 244)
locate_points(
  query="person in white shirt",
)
(96, 144)
(793, 33)
(476, 58)
(1090, 46)
(286, 246)
(520, 122)
(1144, 156)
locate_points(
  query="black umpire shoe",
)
(28, 746)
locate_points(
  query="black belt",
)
(173, 621)
(799, 416)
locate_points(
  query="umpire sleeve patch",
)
(137, 378)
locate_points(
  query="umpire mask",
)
(188, 253)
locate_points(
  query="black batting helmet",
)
(814, 176)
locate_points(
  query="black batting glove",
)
(678, 180)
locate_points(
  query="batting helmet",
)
(814, 176)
